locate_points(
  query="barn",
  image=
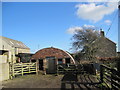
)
(9, 53)
(48, 58)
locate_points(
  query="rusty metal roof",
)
(50, 52)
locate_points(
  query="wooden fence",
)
(110, 77)
(64, 68)
(22, 68)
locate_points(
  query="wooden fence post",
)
(111, 78)
(29, 67)
(63, 85)
(101, 73)
(13, 74)
(57, 69)
(22, 68)
(36, 64)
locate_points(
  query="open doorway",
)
(40, 64)
(67, 60)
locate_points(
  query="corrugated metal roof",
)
(52, 52)
(49, 52)
(14, 43)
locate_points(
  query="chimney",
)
(102, 33)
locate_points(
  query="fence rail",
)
(110, 77)
(22, 68)
(64, 68)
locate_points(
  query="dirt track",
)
(49, 81)
(34, 81)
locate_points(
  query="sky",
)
(45, 24)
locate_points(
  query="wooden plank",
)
(32, 71)
(115, 87)
(113, 75)
(17, 66)
(108, 85)
(29, 67)
(104, 66)
(108, 79)
(21, 68)
(18, 71)
(107, 75)
(116, 78)
(115, 72)
(116, 83)
(13, 70)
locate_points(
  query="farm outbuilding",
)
(48, 58)
(9, 51)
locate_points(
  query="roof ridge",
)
(110, 40)
(14, 43)
(10, 38)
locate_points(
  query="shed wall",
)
(3, 58)
(4, 71)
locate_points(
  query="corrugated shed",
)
(50, 52)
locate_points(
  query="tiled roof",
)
(14, 43)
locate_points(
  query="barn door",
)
(50, 64)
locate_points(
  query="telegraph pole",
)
(119, 26)
(118, 63)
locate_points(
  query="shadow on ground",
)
(81, 82)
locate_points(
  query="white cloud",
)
(95, 12)
(88, 26)
(72, 30)
(108, 22)
(102, 0)
(59, 0)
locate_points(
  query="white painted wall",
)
(3, 58)
(4, 71)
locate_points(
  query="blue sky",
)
(45, 24)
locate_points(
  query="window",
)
(60, 61)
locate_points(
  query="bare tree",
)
(87, 42)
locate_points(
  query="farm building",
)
(9, 51)
(118, 54)
(48, 58)
(107, 47)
